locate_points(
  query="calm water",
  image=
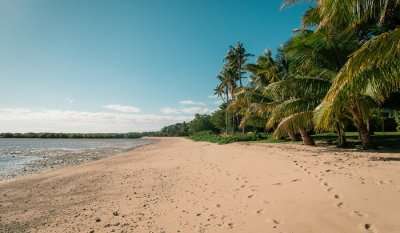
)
(15, 154)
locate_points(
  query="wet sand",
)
(177, 185)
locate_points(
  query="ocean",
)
(21, 155)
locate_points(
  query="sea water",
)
(16, 153)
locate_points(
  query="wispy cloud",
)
(56, 120)
(191, 102)
(169, 110)
(70, 100)
(122, 108)
(194, 110)
(189, 110)
(187, 107)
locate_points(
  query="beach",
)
(25, 156)
(177, 185)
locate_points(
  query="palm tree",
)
(264, 71)
(233, 70)
(243, 104)
(226, 91)
(236, 59)
(318, 54)
(294, 100)
(374, 68)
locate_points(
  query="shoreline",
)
(53, 159)
(177, 185)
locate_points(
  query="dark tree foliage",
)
(76, 135)
(201, 123)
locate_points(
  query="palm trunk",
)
(307, 139)
(233, 123)
(226, 112)
(226, 122)
(362, 128)
(364, 136)
(342, 142)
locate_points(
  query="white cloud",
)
(191, 102)
(168, 110)
(122, 108)
(189, 110)
(55, 120)
(70, 100)
(194, 110)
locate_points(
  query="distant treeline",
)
(78, 135)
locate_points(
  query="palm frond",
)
(289, 107)
(298, 88)
(293, 123)
(374, 67)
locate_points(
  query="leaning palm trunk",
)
(362, 128)
(307, 139)
(342, 142)
(226, 122)
(364, 136)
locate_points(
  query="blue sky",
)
(123, 65)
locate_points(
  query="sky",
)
(123, 65)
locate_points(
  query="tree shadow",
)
(382, 143)
(385, 159)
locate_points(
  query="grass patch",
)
(383, 140)
(379, 140)
(207, 136)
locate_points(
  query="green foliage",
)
(397, 119)
(176, 130)
(209, 136)
(201, 123)
(77, 135)
(218, 120)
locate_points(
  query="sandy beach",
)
(176, 185)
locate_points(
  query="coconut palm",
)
(294, 101)
(249, 101)
(243, 104)
(236, 59)
(265, 71)
(373, 68)
(225, 90)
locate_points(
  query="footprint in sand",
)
(336, 196)
(340, 204)
(274, 222)
(369, 228)
(259, 211)
(358, 213)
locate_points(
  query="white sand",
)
(178, 185)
